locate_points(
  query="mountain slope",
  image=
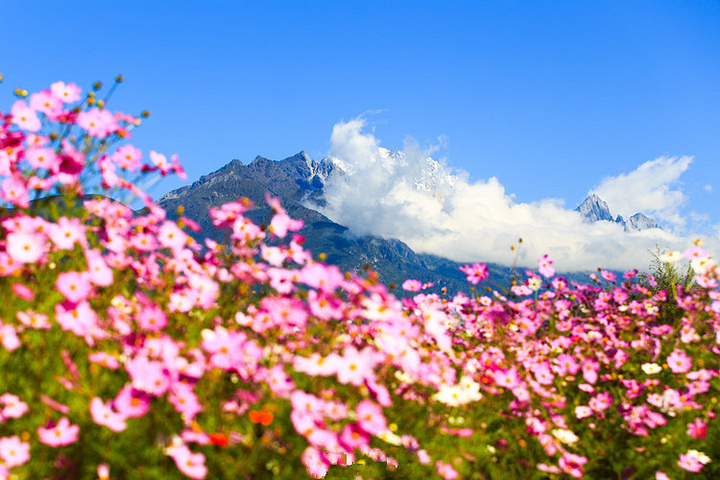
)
(293, 180)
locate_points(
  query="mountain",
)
(294, 180)
(595, 209)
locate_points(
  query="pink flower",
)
(315, 462)
(412, 285)
(46, 103)
(190, 464)
(25, 247)
(370, 417)
(127, 157)
(507, 379)
(42, 158)
(679, 361)
(63, 433)
(590, 370)
(13, 451)
(78, 318)
(152, 318)
(475, 273)
(23, 291)
(356, 365)
(543, 374)
(66, 93)
(582, 411)
(148, 375)
(98, 123)
(692, 461)
(446, 471)
(545, 268)
(75, 286)
(25, 117)
(13, 407)
(8, 337)
(98, 271)
(14, 191)
(103, 414)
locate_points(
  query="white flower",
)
(565, 436)
(651, 368)
(670, 257)
(534, 283)
(699, 456)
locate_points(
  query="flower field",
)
(131, 350)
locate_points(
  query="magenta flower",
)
(679, 361)
(697, 429)
(63, 433)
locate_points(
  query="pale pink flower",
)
(544, 266)
(446, 471)
(46, 103)
(103, 414)
(13, 407)
(98, 271)
(412, 285)
(582, 411)
(190, 464)
(14, 191)
(13, 451)
(590, 370)
(25, 117)
(75, 286)
(67, 93)
(148, 375)
(691, 461)
(25, 247)
(315, 462)
(8, 337)
(42, 158)
(63, 433)
(104, 359)
(370, 417)
(171, 236)
(98, 123)
(356, 365)
(127, 157)
(151, 318)
(543, 374)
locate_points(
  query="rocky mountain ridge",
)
(595, 209)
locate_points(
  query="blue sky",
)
(548, 97)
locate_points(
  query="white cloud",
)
(408, 196)
(651, 189)
(708, 188)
